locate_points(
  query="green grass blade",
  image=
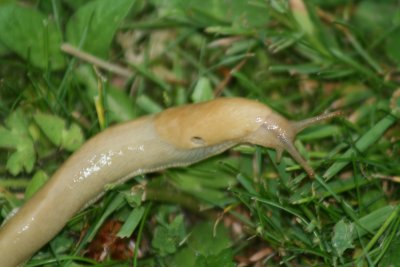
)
(361, 145)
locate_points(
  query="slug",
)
(175, 137)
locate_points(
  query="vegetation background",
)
(70, 68)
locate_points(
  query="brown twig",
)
(71, 50)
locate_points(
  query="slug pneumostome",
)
(176, 137)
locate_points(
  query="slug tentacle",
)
(301, 125)
(291, 149)
(279, 153)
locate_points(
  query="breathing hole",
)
(198, 141)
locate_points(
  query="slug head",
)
(232, 120)
(278, 133)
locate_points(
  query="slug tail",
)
(298, 126)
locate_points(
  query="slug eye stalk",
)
(297, 127)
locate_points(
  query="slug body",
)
(176, 137)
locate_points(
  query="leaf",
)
(240, 14)
(207, 180)
(246, 14)
(38, 180)
(202, 91)
(3, 49)
(342, 236)
(16, 136)
(392, 256)
(54, 128)
(392, 46)
(372, 221)
(375, 18)
(72, 138)
(131, 222)
(167, 238)
(361, 145)
(134, 196)
(185, 257)
(147, 104)
(119, 104)
(372, 200)
(302, 17)
(222, 259)
(164, 241)
(96, 23)
(207, 241)
(31, 35)
(23, 158)
(206, 246)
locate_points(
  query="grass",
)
(241, 208)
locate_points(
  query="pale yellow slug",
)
(176, 137)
